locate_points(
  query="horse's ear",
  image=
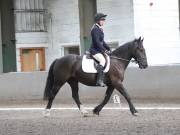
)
(142, 39)
(139, 39)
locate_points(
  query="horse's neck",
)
(125, 54)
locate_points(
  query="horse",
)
(69, 69)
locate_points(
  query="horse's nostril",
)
(146, 66)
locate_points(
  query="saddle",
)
(89, 64)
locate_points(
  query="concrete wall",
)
(119, 24)
(159, 24)
(31, 38)
(158, 82)
(153, 83)
(87, 10)
(63, 26)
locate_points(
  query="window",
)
(29, 16)
(71, 50)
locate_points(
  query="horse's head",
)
(139, 53)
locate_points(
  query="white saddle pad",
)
(88, 65)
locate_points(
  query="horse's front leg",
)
(108, 94)
(119, 86)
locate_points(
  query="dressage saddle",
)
(96, 63)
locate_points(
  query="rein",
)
(133, 61)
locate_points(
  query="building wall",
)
(1, 65)
(29, 40)
(64, 30)
(87, 10)
(126, 20)
(119, 24)
(8, 36)
(159, 24)
(30, 26)
(63, 27)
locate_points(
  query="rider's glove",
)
(108, 52)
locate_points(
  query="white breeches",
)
(99, 57)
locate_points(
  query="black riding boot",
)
(100, 76)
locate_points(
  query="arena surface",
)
(153, 119)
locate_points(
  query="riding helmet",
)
(99, 16)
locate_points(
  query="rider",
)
(99, 47)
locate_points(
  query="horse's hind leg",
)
(75, 95)
(54, 91)
(108, 94)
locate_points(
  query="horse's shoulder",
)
(117, 69)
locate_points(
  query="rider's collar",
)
(98, 25)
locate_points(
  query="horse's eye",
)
(141, 49)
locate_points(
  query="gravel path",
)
(110, 122)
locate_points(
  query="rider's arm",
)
(106, 46)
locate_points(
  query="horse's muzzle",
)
(143, 66)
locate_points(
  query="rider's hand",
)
(108, 52)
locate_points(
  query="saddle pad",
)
(88, 65)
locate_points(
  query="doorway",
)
(32, 59)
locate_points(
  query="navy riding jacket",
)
(98, 44)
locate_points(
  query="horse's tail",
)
(49, 82)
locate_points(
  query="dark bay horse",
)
(69, 69)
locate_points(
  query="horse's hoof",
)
(95, 113)
(136, 114)
(84, 112)
(46, 113)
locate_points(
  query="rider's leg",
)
(100, 77)
(99, 57)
